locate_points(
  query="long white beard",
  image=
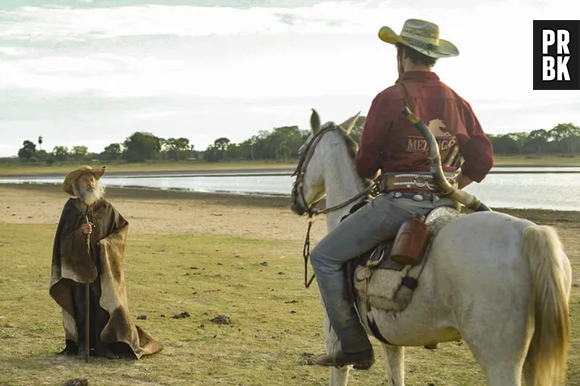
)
(90, 196)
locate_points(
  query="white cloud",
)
(324, 55)
(12, 51)
(155, 114)
(325, 18)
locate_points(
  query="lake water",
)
(543, 188)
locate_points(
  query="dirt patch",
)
(168, 212)
(307, 359)
(174, 212)
(77, 382)
(222, 319)
(183, 315)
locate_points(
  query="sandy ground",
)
(168, 212)
(159, 212)
(171, 212)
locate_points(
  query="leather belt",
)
(414, 182)
(416, 196)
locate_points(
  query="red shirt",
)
(391, 143)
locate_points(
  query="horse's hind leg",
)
(529, 374)
(395, 361)
(500, 369)
(500, 346)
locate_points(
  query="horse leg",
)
(529, 374)
(500, 369)
(500, 348)
(338, 375)
(395, 363)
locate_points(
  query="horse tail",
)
(546, 357)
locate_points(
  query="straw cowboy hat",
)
(422, 36)
(70, 178)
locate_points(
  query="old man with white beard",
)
(88, 250)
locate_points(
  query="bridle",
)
(298, 188)
(300, 172)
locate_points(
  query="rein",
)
(312, 213)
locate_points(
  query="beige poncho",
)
(71, 263)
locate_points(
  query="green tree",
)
(112, 152)
(289, 136)
(79, 152)
(283, 153)
(248, 147)
(503, 144)
(565, 135)
(221, 143)
(213, 154)
(519, 139)
(538, 140)
(217, 151)
(268, 142)
(60, 153)
(235, 151)
(178, 148)
(41, 155)
(27, 150)
(141, 147)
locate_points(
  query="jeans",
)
(375, 222)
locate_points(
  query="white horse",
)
(500, 283)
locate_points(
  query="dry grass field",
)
(207, 255)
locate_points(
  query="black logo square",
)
(556, 55)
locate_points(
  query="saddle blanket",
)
(385, 284)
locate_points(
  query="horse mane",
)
(351, 148)
(351, 145)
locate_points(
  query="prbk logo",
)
(556, 55)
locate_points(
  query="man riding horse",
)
(392, 148)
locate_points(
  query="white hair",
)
(87, 195)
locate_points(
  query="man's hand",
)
(87, 228)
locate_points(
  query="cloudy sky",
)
(92, 72)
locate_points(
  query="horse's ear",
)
(315, 122)
(349, 123)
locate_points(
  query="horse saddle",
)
(386, 276)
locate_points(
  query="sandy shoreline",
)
(283, 170)
(161, 211)
(255, 200)
(167, 212)
(176, 172)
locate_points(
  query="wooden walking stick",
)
(87, 300)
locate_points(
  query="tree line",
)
(563, 139)
(139, 147)
(281, 144)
